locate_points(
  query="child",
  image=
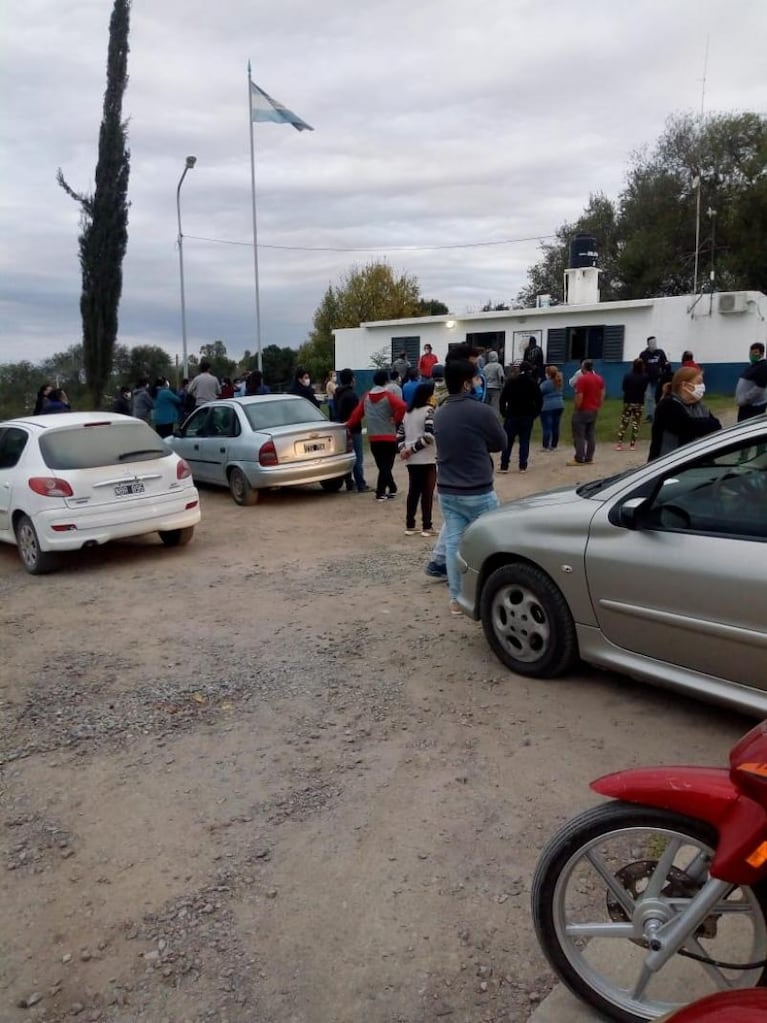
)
(415, 441)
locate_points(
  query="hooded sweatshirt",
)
(494, 374)
(382, 410)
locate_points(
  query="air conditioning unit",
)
(733, 302)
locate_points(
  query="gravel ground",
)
(267, 778)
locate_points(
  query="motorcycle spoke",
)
(664, 865)
(596, 930)
(614, 885)
(644, 978)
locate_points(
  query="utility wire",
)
(374, 248)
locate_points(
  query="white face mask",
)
(697, 391)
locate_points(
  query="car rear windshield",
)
(268, 414)
(88, 447)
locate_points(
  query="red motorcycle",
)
(645, 904)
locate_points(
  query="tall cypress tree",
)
(104, 217)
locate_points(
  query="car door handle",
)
(197, 447)
(222, 450)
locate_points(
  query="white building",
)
(718, 328)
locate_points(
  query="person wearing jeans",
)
(346, 401)
(415, 441)
(466, 432)
(553, 407)
(383, 411)
(589, 395)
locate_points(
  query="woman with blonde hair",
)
(553, 407)
(681, 416)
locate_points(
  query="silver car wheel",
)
(520, 622)
(34, 560)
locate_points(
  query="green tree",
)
(431, 307)
(647, 239)
(279, 366)
(104, 217)
(220, 363)
(727, 154)
(371, 292)
(149, 361)
(546, 277)
(19, 383)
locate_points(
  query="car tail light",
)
(65, 527)
(268, 454)
(349, 445)
(50, 486)
(183, 472)
(190, 504)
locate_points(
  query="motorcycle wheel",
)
(596, 883)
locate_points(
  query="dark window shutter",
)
(613, 344)
(556, 346)
(411, 345)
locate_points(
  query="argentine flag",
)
(264, 108)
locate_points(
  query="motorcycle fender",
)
(707, 794)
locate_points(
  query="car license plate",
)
(123, 489)
(310, 449)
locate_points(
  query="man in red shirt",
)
(427, 361)
(589, 395)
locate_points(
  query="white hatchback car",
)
(77, 479)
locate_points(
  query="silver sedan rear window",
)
(98, 444)
(266, 415)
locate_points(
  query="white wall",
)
(713, 337)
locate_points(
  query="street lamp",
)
(190, 162)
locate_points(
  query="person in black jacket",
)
(302, 386)
(634, 387)
(346, 400)
(520, 404)
(681, 416)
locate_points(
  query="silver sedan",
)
(659, 573)
(274, 440)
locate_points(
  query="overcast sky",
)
(437, 123)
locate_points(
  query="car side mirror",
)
(631, 512)
(177, 431)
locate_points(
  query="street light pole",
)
(190, 162)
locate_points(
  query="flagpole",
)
(255, 232)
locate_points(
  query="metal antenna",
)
(698, 175)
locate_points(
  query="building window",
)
(490, 340)
(571, 344)
(585, 342)
(411, 345)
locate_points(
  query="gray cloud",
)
(436, 124)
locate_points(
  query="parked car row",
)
(78, 479)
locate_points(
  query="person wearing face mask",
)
(302, 386)
(751, 389)
(681, 416)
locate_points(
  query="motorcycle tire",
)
(585, 855)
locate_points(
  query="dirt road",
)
(268, 779)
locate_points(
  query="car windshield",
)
(594, 487)
(90, 446)
(268, 414)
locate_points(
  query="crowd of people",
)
(445, 422)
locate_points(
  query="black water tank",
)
(583, 250)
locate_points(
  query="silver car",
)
(273, 440)
(659, 572)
